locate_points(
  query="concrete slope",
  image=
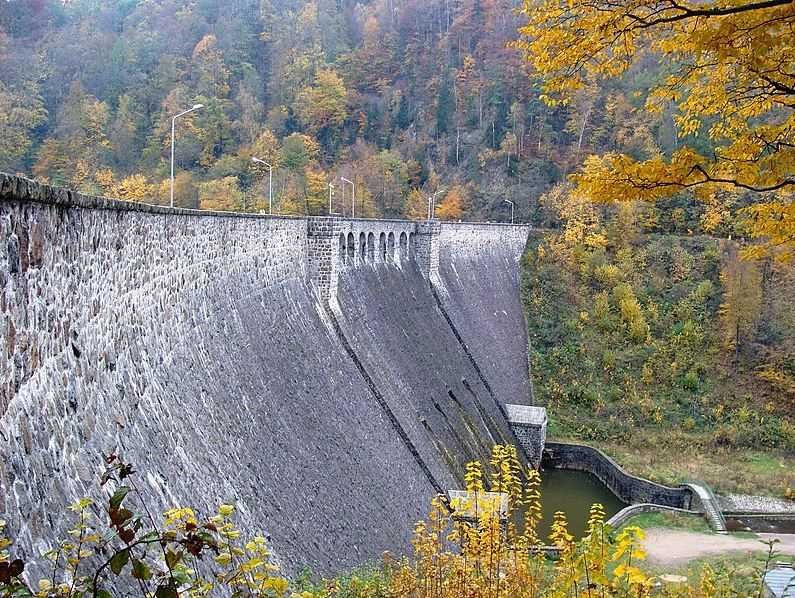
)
(478, 286)
(391, 318)
(192, 345)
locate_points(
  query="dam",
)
(327, 376)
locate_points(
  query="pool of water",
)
(573, 492)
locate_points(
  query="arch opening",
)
(390, 248)
(362, 246)
(382, 247)
(404, 247)
(371, 248)
(341, 250)
(351, 248)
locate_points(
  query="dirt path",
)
(675, 547)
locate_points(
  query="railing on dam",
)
(333, 243)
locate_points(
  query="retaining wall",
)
(630, 489)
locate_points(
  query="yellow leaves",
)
(226, 510)
(224, 559)
(279, 585)
(773, 222)
(742, 300)
(728, 74)
(133, 188)
(81, 505)
(627, 543)
(325, 103)
(452, 207)
(180, 516)
(473, 477)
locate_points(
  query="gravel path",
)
(675, 547)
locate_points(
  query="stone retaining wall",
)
(630, 489)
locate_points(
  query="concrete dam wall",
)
(327, 376)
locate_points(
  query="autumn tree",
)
(80, 143)
(134, 188)
(316, 191)
(298, 151)
(742, 300)
(20, 113)
(731, 75)
(323, 107)
(221, 195)
(416, 207)
(453, 204)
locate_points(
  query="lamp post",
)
(353, 199)
(270, 182)
(432, 204)
(330, 193)
(510, 202)
(173, 127)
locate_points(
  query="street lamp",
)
(510, 202)
(353, 199)
(330, 193)
(173, 125)
(432, 203)
(270, 182)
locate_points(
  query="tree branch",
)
(689, 13)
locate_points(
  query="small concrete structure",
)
(780, 582)
(470, 506)
(529, 424)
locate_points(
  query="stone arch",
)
(341, 252)
(390, 247)
(362, 246)
(371, 248)
(351, 248)
(411, 246)
(382, 247)
(404, 247)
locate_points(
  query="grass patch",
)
(745, 573)
(672, 457)
(671, 520)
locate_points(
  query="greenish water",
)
(573, 492)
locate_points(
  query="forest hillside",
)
(402, 97)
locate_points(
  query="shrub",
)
(481, 557)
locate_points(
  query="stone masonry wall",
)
(630, 489)
(478, 286)
(200, 346)
(192, 344)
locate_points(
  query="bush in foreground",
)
(121, 552)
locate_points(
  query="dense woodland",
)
(667, 346)
(403, 97)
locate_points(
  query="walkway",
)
(711, 507)
(676, 547)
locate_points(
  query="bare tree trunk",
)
(457, 145)
(480, 108)
(582, 132)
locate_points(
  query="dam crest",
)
(328, 376)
